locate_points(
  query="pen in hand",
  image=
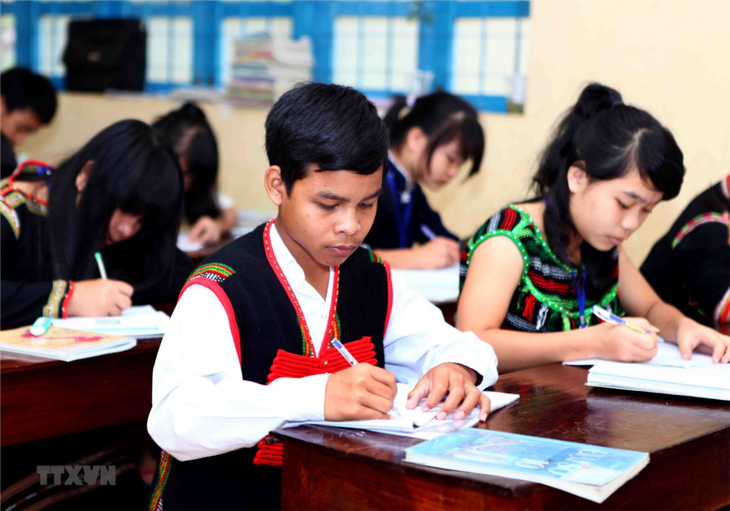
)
(100, 264)
(353, 362)
(609, 317)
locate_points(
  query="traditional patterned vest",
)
(272, 341)
(545, 299)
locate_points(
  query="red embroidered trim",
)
(64, 304)
(226, 302)
(390, 297)
(308, 344)
(269, 454)
(19, 170)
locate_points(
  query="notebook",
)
(589, 471)
(63, 343)
(706, 381)
(667, 355)
(416, 423)
(140, 322)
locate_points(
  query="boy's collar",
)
(289, 265)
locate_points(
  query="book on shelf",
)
(63, 343)
(588, 471)
(266, 65)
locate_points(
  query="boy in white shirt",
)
(250, 343)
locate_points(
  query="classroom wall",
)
(671, 58)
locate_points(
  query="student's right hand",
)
(623, 344)
(360, 392)
(100, 297)
(438, 253)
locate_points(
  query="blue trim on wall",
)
(435, 46)
(372, 8)
(314, 18)
(496, 104)
(492, 9)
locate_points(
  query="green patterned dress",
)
(545, 299)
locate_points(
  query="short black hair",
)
(330, 126)
(23, 89)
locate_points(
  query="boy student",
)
(250, 342)
(27, 102)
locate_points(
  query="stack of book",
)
(709, 381)
(265, 66)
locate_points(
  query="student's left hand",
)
(206, 230)
(691, 335)
(456, 380)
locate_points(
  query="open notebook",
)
(416, 423)
(139, 322)
(667, 355)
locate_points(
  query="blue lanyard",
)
(402, 221)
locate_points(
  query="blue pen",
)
(40, 326)
(353, 362)
(609, 317)
(426, 230)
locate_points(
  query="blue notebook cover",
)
(536, 459)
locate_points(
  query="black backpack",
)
(105, 54)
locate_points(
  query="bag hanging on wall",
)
(105, 54)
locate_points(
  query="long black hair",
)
(443, 117)
(190, 135)
(134, 171)
(606, 139)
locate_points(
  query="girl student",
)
(119, 195)
(428, 146)
(538, 267)
(210, 213)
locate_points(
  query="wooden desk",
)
(688, 441)
(42, 398)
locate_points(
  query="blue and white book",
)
(589, 471)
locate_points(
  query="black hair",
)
(132, 170)
(443, 117)
(22, 88)
(606, 139)
(330, 126)
(187, 131)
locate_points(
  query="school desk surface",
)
(43, 398)
(688, 441)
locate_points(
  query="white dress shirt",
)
(202, 406)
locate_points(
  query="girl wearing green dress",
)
(539, 267)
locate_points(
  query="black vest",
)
(267, 322)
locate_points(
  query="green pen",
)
(100, 263)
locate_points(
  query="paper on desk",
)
(185, 245)
(667, 355)
(437, 286)
(139, 322)
(416, 423)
